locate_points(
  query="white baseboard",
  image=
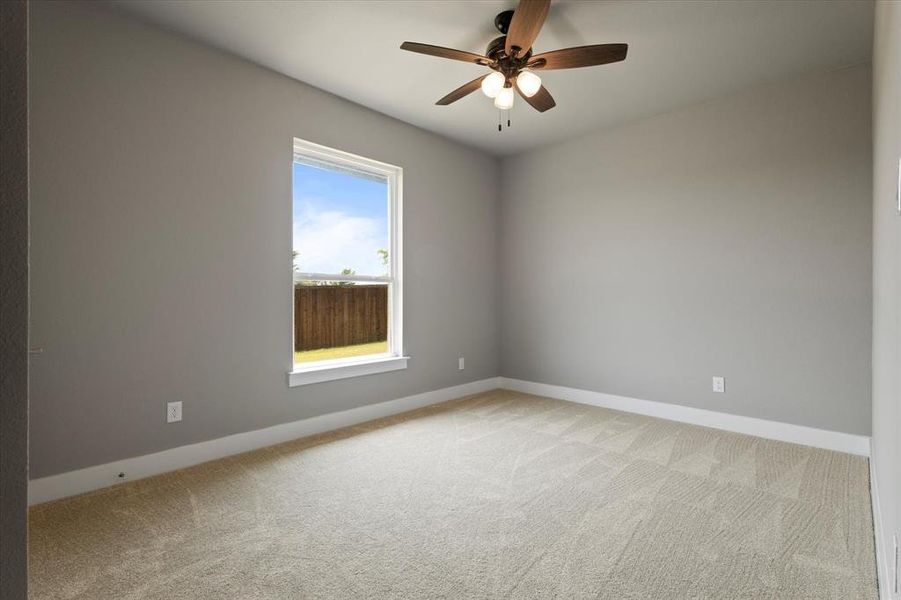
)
(84, 480)
(101, 476)
(774, 430)
(882, 557)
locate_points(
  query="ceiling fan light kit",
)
(512, 63)
(504, 99)
(528, 83)
(492, 84)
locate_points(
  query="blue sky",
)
(340, 221)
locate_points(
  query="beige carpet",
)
(500, 495)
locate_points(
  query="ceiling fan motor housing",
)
(502, 63)
(495, 47)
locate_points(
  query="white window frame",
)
(394, 359)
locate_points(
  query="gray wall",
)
(731, 238)
(13, 298)
(887, 269)
(161, 228)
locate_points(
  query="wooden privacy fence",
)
(329, 316)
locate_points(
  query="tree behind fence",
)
(329, 316)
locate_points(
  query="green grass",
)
(341, 352)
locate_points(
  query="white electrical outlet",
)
(461, 363)
(719, 385)
(173, 412)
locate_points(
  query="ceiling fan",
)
(512, 63)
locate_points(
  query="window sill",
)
(331, 370)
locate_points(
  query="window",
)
(347, 265)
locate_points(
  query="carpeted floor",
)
(500, 495)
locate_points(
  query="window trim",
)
(394, 359)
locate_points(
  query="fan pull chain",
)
(508, 119)
(499, 120)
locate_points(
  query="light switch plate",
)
(719, 385)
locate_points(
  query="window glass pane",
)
(340, 220)
(338, 319)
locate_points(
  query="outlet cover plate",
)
(173, 412)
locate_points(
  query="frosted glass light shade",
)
(493, 84)
(529, 83)
(504, 99)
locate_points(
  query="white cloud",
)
(329, 241)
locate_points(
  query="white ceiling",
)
(680, 52)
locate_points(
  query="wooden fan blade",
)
(464, 90)
(582, 56)
(541, 101)
(524, 27)
(445, 53)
